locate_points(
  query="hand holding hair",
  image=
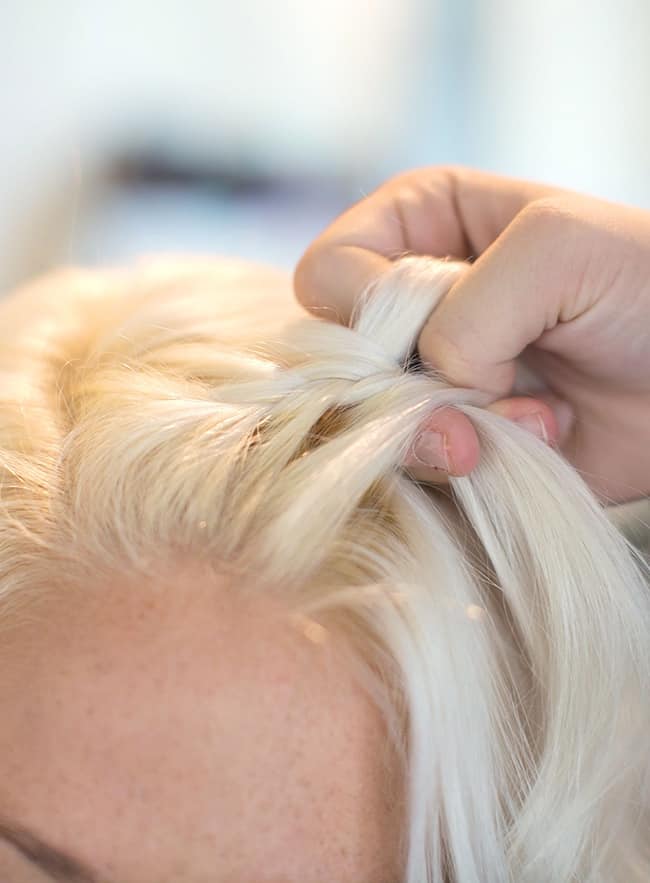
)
(559, 284)
(205, 528)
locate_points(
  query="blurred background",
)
(243, 128)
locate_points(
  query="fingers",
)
(563, 415)
(435, 211)
(330, 277)
(525, 284)
(448, 444)
(513, 293)
(534, 414)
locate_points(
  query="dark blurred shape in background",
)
(244, 127)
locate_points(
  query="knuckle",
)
(549, 218)
(416, 177)
(307, 275)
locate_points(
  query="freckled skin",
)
(168, 733)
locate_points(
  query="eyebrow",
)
(60, 865)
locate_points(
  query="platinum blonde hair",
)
(503, 627)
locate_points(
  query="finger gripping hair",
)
(503, 627)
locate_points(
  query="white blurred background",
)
(243, 127)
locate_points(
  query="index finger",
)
(438, 211)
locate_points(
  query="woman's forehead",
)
(147, 728)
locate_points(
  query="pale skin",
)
(168, 731)
(174, 731)
(559, 279)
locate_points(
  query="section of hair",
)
(504, 629)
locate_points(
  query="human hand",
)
(561, 282)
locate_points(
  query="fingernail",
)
(533, 423)
(564, 416)
(430, 449)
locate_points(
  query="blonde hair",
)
(504, 627)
